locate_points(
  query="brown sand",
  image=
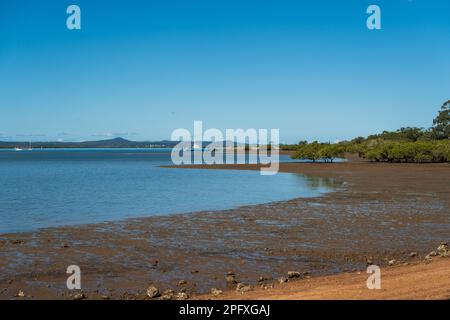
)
(378, 212)
(411, 281)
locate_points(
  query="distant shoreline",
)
(83, 148)
(98, 144)
(237, 151)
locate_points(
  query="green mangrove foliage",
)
(409, 145)
(404, 151)
(319, 151)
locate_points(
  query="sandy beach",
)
(410, 281)
(385, 214)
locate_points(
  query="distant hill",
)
(111, 143)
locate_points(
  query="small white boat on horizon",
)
(21, 149)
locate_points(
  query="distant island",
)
(110, 143)
(115, 143)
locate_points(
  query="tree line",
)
(409, 144)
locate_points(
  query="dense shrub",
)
(319, 151)
(397, 151)
(379, 150)
(408, 144)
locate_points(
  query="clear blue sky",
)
(140, 69)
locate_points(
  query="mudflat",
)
(385, 214)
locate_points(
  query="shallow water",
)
(45, 188)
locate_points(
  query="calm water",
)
(44, 188)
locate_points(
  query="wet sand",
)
(378, 212)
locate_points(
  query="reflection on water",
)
(318, 183)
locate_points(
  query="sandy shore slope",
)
(412, 281)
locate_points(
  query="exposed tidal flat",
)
(377, 213)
